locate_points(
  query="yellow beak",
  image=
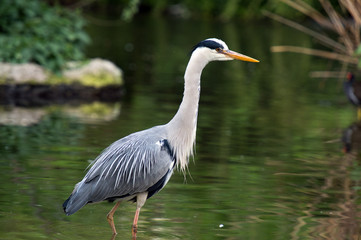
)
(236, 55)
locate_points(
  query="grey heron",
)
(139, 165)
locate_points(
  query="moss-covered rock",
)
(94, 73)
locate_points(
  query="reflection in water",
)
(21, 116)
(96, 112)
(334, 213)
(351, 138)
(87, 113)
(264, 168)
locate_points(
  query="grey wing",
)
(131, 165)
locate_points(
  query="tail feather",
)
(77, 199)
(65, 205)
(73, 204)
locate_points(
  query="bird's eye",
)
(219, 49)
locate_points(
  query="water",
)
(268, 161)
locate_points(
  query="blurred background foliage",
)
(222, 9)
(32, 31)
(52, 32)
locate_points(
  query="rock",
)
(22, 73)
(95, 73)
(29, 84)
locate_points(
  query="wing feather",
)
(130, 165)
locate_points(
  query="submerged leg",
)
(110, 218)
(141, 198)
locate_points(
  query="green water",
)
(268, 161)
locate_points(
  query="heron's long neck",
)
(182, 128)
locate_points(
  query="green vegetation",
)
(342, 20)
(224, 10)
(31, 31)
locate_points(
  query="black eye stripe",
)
(209, 44)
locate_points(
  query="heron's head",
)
(214, 49)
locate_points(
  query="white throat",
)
(182, 128)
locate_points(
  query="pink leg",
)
(141, 198)
(110, 218)
(135, 224)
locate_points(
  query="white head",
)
(214, 49)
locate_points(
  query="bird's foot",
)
(134, 232)
(113, 236)
(111, 223)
